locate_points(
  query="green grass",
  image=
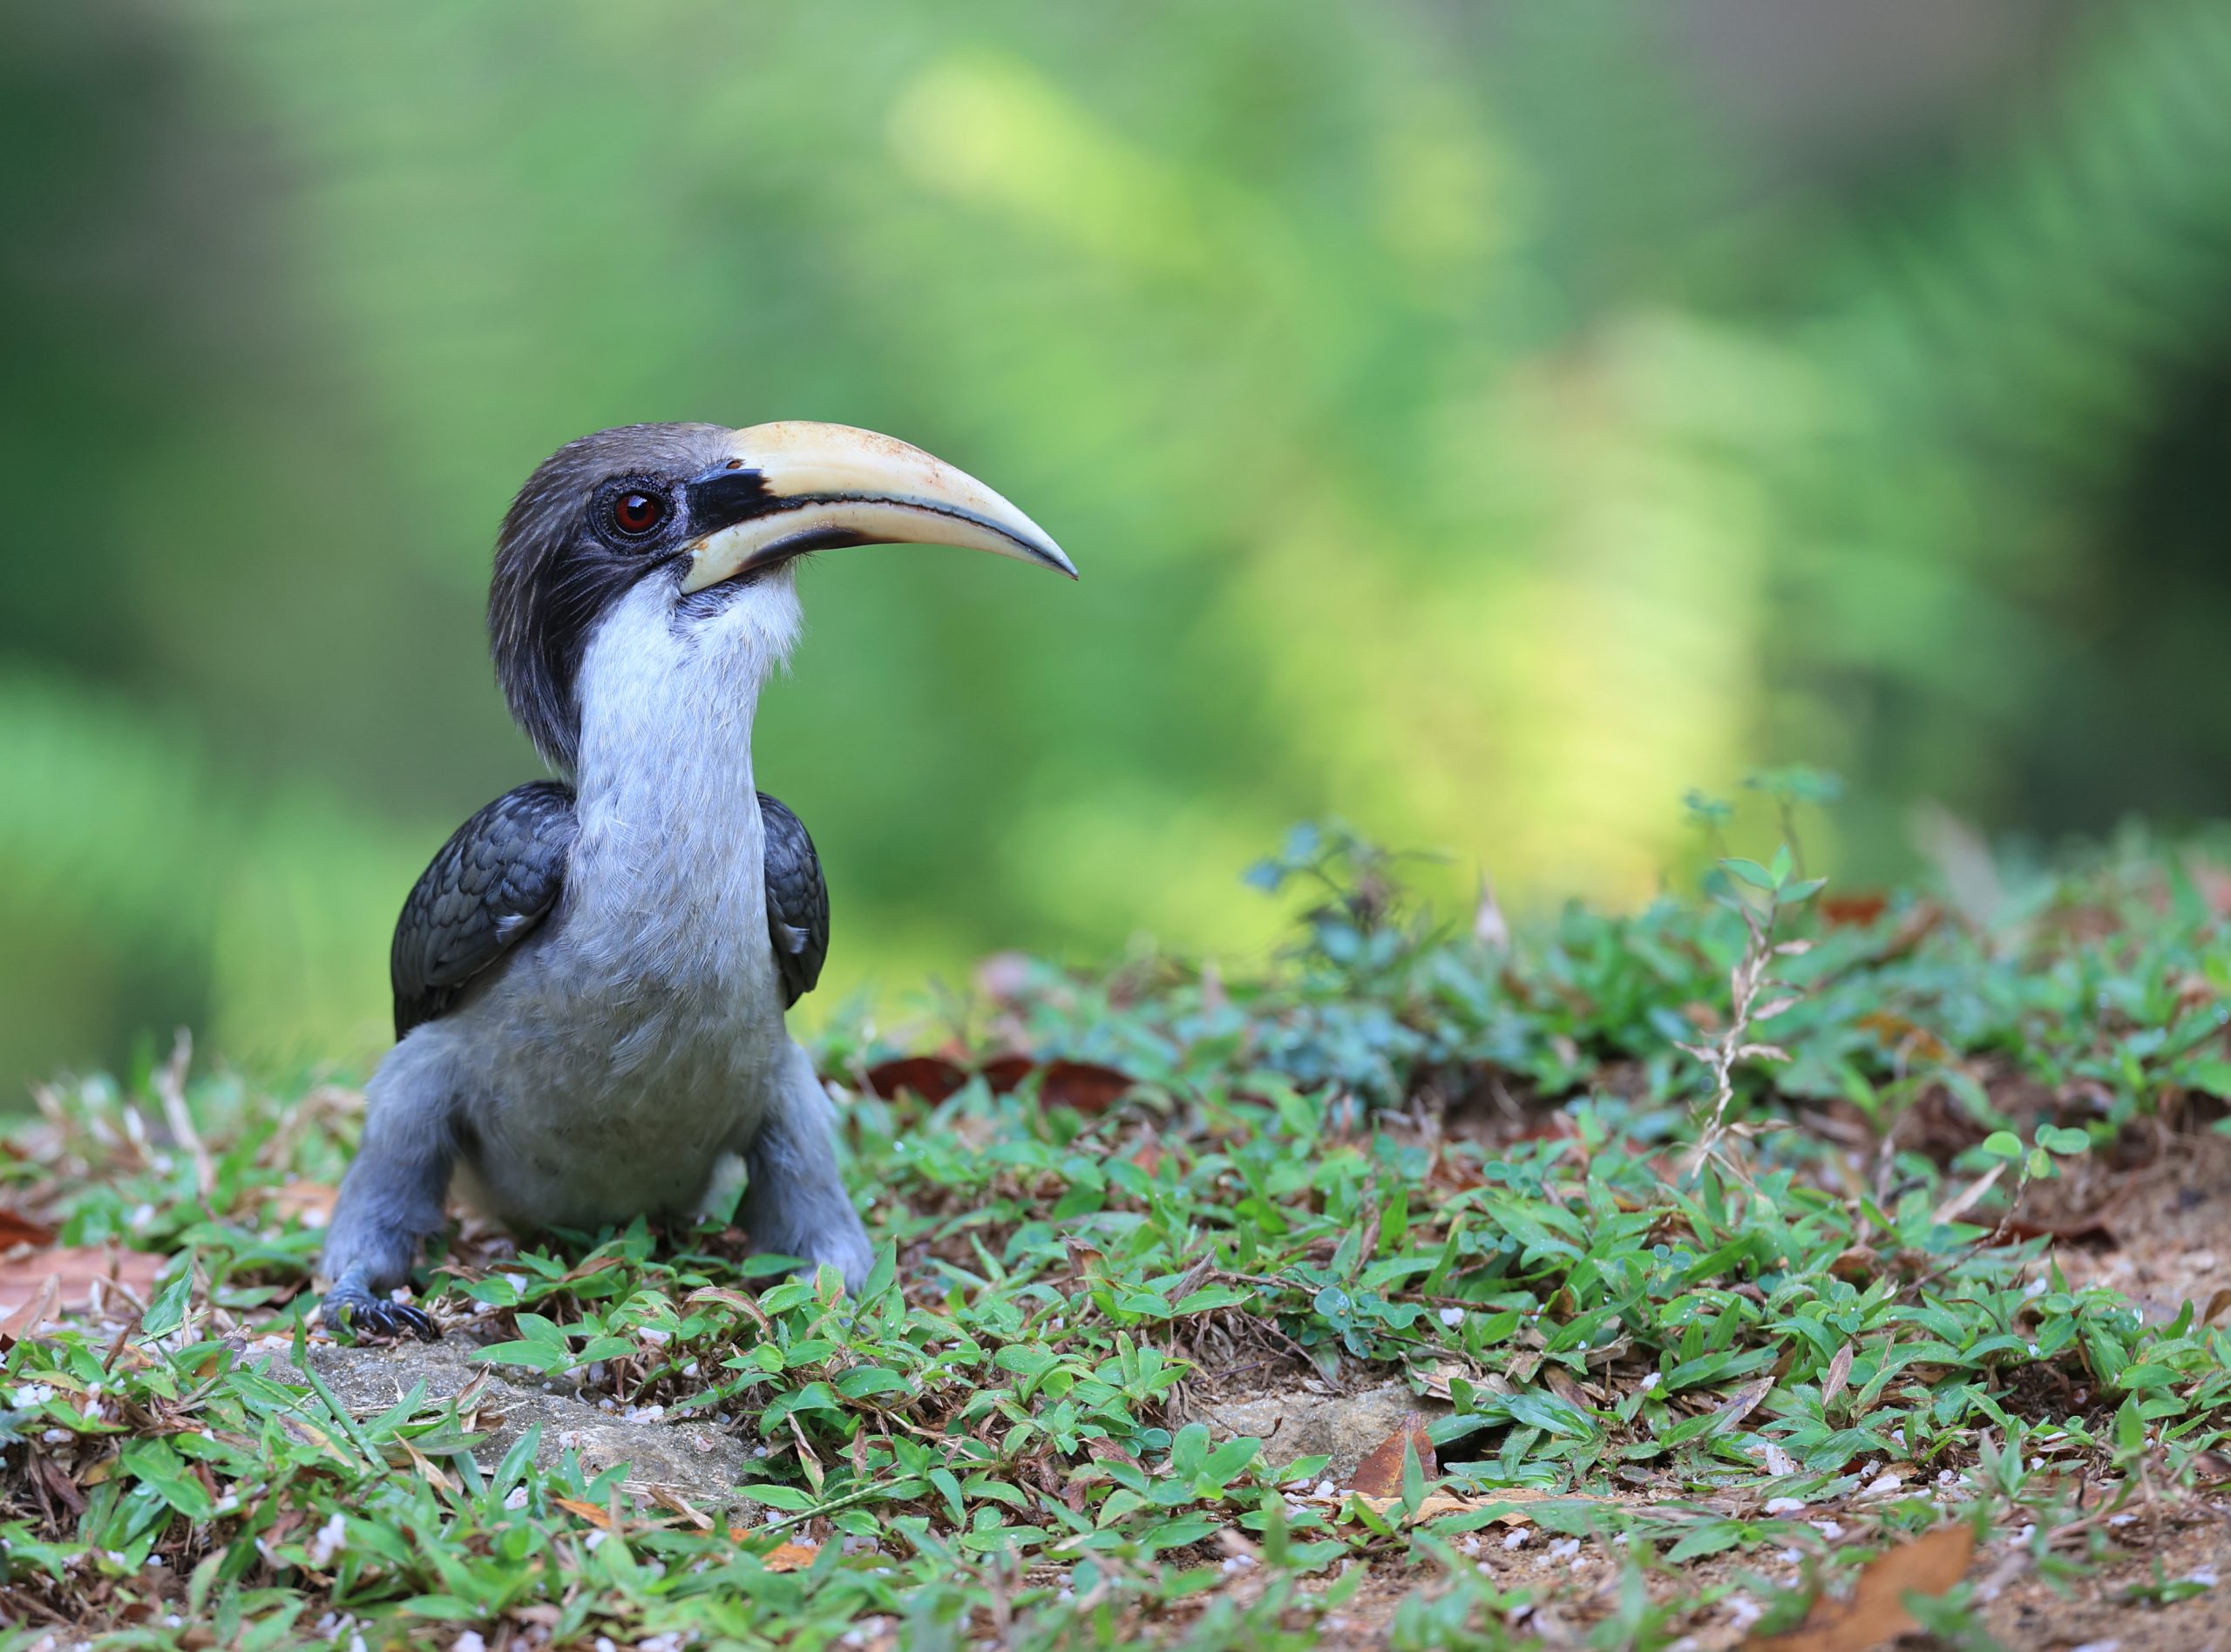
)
(1712, 1358)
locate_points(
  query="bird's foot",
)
(849, 1252)
(350, 1303)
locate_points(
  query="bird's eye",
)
(636, 513)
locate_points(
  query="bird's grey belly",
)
(582, 1107)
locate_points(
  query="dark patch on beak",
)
(724, 498)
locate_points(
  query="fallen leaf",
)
(1379, 1474)
(594, 1513)
(1003, 1072)
(1876, 1612)
(1148, 1156)
(1839, 1374)
(1964, 1200)
(931, 1077)
(1741, 1404)
(1433, 1381)
(33, 1314)
(59, 1484)
(1433, 1506)
(79, 1272)
(18, 1229)
(2216, 1305)
(1086, 1086)
(1438, 1503)
(790, 1557)
(1560, 1381)
(1851, 910)
(1896, 1032)
(1107, 1450)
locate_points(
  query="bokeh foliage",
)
(1479, 423)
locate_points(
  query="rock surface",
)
(1342, 1426)
(692, 1457)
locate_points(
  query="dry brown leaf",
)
(1742, 1403)
(1433, 1382)
(1379, 1474)
(594, 1513)
(1434, 1504)
(33, 1314)
(1848, 911)
(1839, 1374)
(77, 1271)
(1857, 1265)
(1562, 1384)
(1003, 1072)
(790, 1557)
(1897, 1033)
(1107, 1451)
(2216, 1305)
(1876, 1612)
(931, 1077)
(1964, 1200)
(1086, 1086)
(16, 1229)
(1437, 1504)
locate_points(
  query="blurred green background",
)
(1481, 422)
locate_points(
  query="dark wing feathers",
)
(798, 901)
(491, 884)
(501, 872)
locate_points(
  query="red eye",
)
(637, 513)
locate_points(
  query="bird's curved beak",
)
(796, 486)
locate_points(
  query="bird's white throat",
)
(669, 856)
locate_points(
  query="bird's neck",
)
(670, 843)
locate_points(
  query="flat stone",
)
(693, 1458)
(1344, 1427)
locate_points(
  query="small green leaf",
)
(168, 1312)
(2212, 1075)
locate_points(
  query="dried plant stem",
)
(1751, 980)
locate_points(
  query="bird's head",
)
(707, 520)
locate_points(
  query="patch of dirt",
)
(2171, 1230)
(2096, 1611)
(693, 1457)
(1576, 1584)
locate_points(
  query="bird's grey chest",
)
(638, 1043)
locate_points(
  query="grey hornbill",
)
(591, 977)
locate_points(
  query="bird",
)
(591, 977)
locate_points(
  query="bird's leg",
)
(795, 1203)
(391, 1199)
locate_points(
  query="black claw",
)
(366, 1314)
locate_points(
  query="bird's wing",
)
(491, 884)
(798, 901)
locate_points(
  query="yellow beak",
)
(796, 486)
